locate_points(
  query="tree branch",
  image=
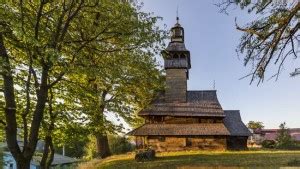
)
(10, 106)
(2, 122)
(38, 18)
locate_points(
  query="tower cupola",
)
(177, 32)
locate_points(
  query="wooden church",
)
(187, 120)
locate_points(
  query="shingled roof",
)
(176, 46)
(182, 129)
(199, 103)
(234, 124)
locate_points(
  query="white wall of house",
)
(10, 163)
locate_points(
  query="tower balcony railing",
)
(176, 63)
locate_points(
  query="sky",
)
(212, 38)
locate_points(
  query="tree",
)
(35, 38)
(284, 139)
(254, 125)
(120, 82)
(271, 38)
(121, 89)
(119, 144)
(39, 43)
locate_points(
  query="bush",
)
(119, 144)
(268, 144)
(74, 148)
(284, 140)
(145, 155)
(90, 148)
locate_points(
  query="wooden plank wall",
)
(171, 143)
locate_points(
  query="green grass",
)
(201, 159)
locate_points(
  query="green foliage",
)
(121, 82)
(254, 125)
(78, 51)
(284, 139)
(119, 144)
(74, 140)
(2, 134)
(90, 148)
(268, 144)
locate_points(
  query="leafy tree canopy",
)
(254, 125)
(45, 45)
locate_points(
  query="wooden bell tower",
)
(177, 65)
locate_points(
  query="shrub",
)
(145, 155)
(268, 144)
(90, 148)
(73, 148)
(284, 139)
(119, 144)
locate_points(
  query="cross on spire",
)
(214, 85)
(177, 17)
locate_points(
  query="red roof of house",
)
(271, 134)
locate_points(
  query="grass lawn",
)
(202, 159)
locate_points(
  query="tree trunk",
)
(45, 153)
(10, 108)
(23, 163)
(23, 157)
(102, 145)
(47, 159)
(51, 157)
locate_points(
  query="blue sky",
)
(212, 38)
